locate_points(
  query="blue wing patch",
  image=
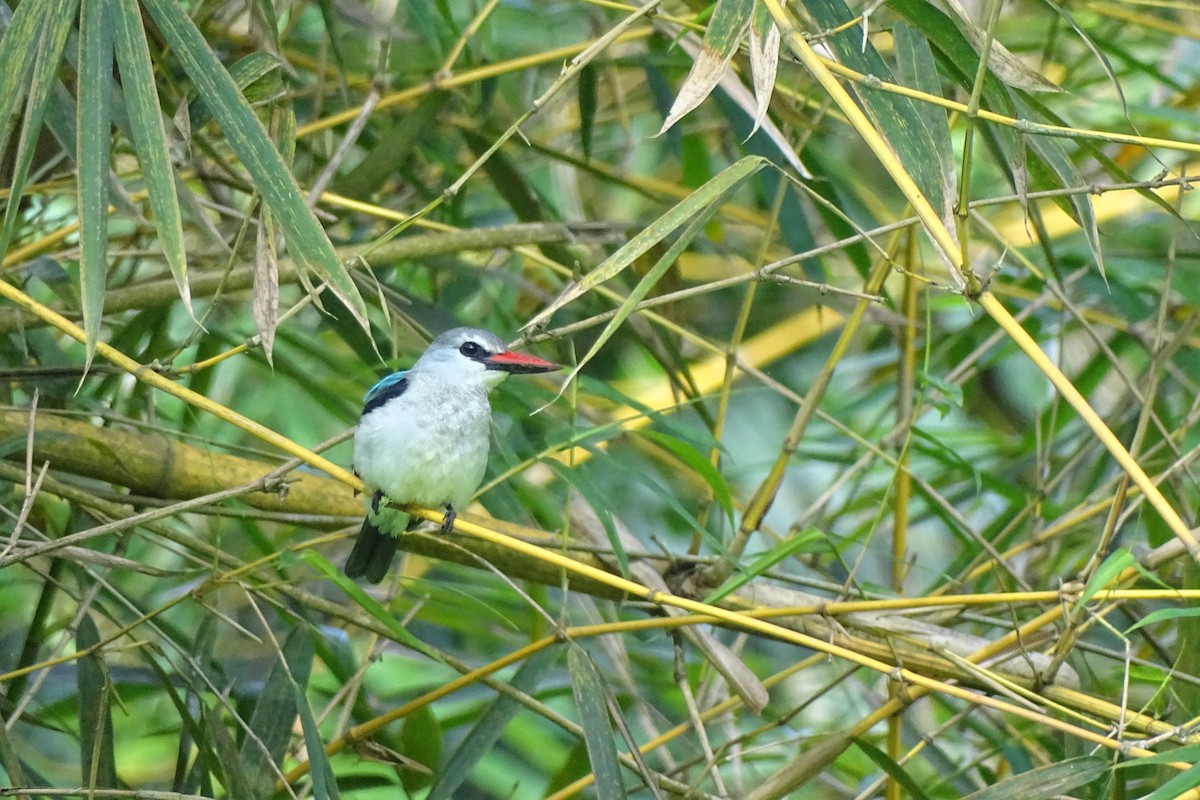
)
(387, 389)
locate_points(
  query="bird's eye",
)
(470, 349)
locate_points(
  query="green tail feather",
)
(375, 548)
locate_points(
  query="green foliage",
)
(222, 223)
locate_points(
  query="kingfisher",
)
(424, 435)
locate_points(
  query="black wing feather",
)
(387, 389)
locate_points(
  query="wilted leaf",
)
(725, 30)
(265, 297)
(1001, 62)
(306, 239)
(764, 61)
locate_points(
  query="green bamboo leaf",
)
(191, 765)
(233, 776)
(1106, 574)
(962, 63)
(40, 630)
(936, 448)
(1052, 780)
(517, 189)
(648, 282)
(1163, 615)
(952, 392)
(92, 142)
(1098, 55)
(248, 74)
(896, 117)
(917, 68)
(1109, 569)
(667, 423)
(368, 603)
(591, 702)
(320, 770)
(394, 152)
(275, 712)
(699, 463)
(1059, 172)
(573, 767)
(580, 480)
(150, 137)
(307, 242)
(420, 750)
(795, 543)
(11, 763)
(1178, 785)
(95, 711)
(892, 767)
(487, 731)
(57, 21)
(17, 48)
(587, 107)
(62, 111)
(283, 128)
(1177, 755)
(669, 222)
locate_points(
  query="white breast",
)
(429, 446)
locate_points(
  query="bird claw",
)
(448, 522)
(375, 498)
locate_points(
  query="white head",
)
(471, 355)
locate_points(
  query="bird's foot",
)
(375, 498)
(448, 522)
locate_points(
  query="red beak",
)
(519, 363)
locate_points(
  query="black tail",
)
(372, 554)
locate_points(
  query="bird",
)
(423, 438)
